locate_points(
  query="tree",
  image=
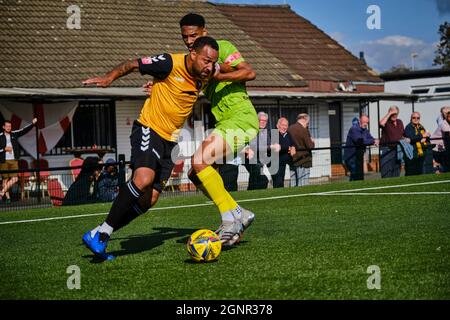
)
(443, 51)
(399, 69)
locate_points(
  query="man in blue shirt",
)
(358, 138)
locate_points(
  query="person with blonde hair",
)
(420, 140)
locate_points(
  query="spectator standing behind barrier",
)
(443, 131)
(85, 188)
(9, 155)
(392, 130)
(358, 138)
(108, 182)
(284, 154)
(258, 154)
(229, 172)
(301, 152)
(438, 142)
(420, 140)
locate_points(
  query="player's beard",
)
(198, 73)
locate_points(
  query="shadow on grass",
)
(145, 242)
(191, 261)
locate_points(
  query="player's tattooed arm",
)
(119, 71)
(241, 73)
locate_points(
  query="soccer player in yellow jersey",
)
(178, 79)
(236, 125)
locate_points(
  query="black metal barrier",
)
(100, 182)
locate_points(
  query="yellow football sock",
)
(213, 184)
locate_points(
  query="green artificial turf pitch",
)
(301, 246)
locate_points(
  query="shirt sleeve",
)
(444, 127)
(368, 139)
(158, 66)
(230, 54)
(23, 131)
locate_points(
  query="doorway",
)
(335, 121)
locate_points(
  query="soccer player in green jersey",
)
(236, 126)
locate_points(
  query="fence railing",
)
(99, 182)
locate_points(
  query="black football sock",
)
(126, 199)
(139, 208)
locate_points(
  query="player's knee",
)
(142, 181)
(196, 168)
(197, 164)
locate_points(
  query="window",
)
(290, 111)
(442, 90)
(420, 91)
(94, 123)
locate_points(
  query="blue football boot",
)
(96, 246)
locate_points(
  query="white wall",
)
(350, 110)
(429, 107)
(321, 158)
(126, 112)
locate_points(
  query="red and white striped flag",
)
(53, 120)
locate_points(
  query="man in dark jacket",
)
(9, 154)
(358, 138)
(284, 155)
(301, 153)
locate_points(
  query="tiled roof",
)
(39, 51)
(298, 43)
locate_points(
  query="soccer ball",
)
(204, 245)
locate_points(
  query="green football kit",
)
(237, 122)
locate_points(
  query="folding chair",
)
(75, 162)
(24, 178)
(44, 175)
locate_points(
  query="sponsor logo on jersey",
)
(179, 79)
(150, 60)
(232, 57)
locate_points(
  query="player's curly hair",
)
(192, 19)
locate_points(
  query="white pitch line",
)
(99, 214)
(54, 218)
(383, 193)
(209, 203)
(343, 191)
(389, 187)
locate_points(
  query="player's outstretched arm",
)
(241, 73)
(119, 71)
